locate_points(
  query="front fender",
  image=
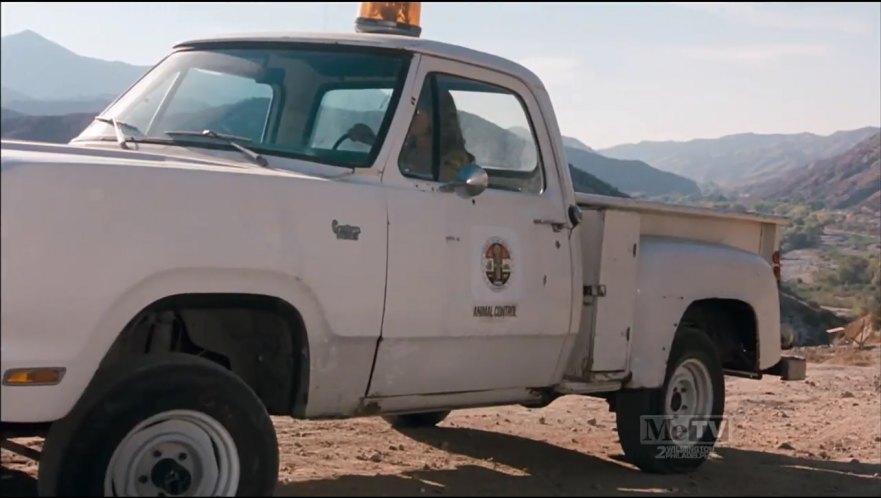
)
(672, 274)
(89, 238)
(80, 354)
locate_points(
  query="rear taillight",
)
(775, 263)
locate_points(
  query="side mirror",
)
(575, 215)
(470, 181)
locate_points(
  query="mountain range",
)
(738, 160)
(634, 177)
(54, 129)
(50, 93)
(846, 181)
(32, 67)
(61, 129)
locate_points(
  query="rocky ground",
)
(821, 436)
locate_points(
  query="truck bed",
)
(753, 232)
(613, 234)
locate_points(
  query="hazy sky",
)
(616, 72)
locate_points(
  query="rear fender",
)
(673, 274)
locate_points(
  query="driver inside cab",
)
(417, 154)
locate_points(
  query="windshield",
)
(291, 101)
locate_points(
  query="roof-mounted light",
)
(397, 18)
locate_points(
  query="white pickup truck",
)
(332, 226)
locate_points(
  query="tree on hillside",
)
(801, 235)
(853, 270)
(870, 304)
(764, 207)
(873, 302)
(875, 264)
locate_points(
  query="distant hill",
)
(592, 173)
(567, 141)
(8, 113)
(588, 184)
(41, 79)
(32, 67)
(245, 118)
(55, 129)
(576, 144)
(632, 177)
(8, 94)
(34, 107)
(848, 180)
(740, 159)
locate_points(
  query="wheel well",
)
(732, 326)
(262, 339)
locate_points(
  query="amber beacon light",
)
(397, 18)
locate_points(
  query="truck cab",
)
(333, 226)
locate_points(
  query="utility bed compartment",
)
(611, 231)
(610, 250)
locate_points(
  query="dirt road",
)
(818, 437)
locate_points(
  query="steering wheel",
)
(360, 133)
(340, 141)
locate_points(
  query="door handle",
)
(555, 225)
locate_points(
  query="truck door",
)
(479, 288)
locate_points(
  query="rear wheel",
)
(673, 429)
(413, 420)
(162, 425)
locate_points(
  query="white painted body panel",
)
(614, 311)
(674, 273)
(431, 341)
(681, 212)
(685, 254)
(92, 234)
(90, 238)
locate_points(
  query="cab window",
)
(339, 108)
(460, 121)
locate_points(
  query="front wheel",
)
(673, 429)
(162, 425)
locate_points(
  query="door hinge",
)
(595, 290)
